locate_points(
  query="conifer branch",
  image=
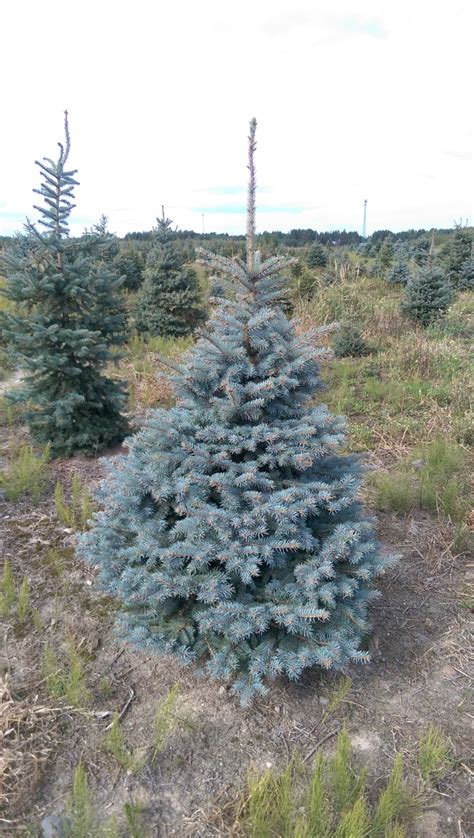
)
(251, 199)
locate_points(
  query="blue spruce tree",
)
(231, 532)
(67, 315)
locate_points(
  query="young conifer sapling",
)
(231, 532)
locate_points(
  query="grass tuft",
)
(26, 474)
(434, 479)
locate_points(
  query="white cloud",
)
(373, 102)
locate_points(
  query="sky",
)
(353, 100)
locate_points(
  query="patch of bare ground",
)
(420, 672)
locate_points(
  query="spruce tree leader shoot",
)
(231, 532)
(68, 315)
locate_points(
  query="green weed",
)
(37, 621)
(81, 819)
(52, 673)
(114, 743)
(26, 474)
(440, 478)
(23, 603)
(55, 561)
(12, 602)
(7, 590)
(133, 815)
(328, 802)
(77, 512)
(434, 754)
(394, 802)
(75, 686)
(339, 693)
(165, 721)
(65, 680)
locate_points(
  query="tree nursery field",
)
(226, 611)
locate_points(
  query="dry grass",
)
(28, 736)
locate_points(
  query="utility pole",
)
(203, 223)
(364, 226)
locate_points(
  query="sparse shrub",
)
(26, 474)
(348, 341)
(79, 510)
(231, 531)
(434, 754)
(428, 294)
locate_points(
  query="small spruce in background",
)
(459, 252)
(466, 275)
(169, 302)
(67, 317)
(428, 294)
(348, 342)
(399, 272)
(317, 257)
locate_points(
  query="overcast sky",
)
(353, 100)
